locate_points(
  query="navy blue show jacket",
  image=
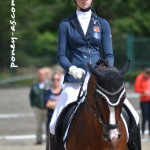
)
(75, 48)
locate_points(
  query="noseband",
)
(99, 91)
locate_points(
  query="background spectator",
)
(37, 102)
(60, 71)
(142, 86)
(50, 98)
(48, 74)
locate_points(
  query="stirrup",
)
(52, 142)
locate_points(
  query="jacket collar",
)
(76, 24)
(74, 20)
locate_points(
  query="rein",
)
(106, 125)
(99, 91)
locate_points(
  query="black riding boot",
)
(136, 143)
(52, 142)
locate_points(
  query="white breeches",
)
(69, 94)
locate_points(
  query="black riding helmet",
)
(83, 10)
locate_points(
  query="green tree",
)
(38, 20)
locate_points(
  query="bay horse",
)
(99, 125)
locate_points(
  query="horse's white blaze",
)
(112, 120)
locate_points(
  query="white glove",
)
(77, 73)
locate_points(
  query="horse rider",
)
(80, 37)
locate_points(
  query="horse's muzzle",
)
(111, 135)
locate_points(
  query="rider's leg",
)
(68, 95)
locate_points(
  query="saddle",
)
(64, 120)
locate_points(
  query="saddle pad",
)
(63, 123)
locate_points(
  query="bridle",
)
(101, 92)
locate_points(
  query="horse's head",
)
(108, 92)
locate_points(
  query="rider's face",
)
(84, 3)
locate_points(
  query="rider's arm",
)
(107, 43)
(51, 104)
(63, 47)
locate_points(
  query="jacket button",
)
(84, 56)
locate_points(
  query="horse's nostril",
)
(119, 135)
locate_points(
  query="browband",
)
(107, 99)
(110, 93)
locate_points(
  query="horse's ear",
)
(125, 68)
(97, 74)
